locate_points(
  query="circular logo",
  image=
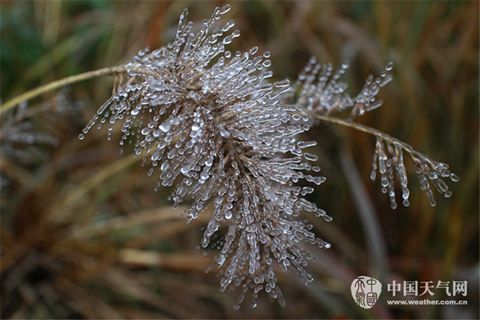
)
(365, 291)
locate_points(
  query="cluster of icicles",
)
(211, 124)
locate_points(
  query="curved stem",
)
(368, 130)
(58, 84)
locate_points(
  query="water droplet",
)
(454, 177)
(164, 127)
(306, 144)
(226, 8)
(389, 66)
(282, 83)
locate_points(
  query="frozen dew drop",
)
(227, 40)
(164, 127)
(454, 177)
(282, 83)
(389, 66)
(150, 172)
(155, 156)
(185, 170)
(310, 156)
(209, 161)
(306, 144)
(327, 218)
(228, 26)
(431, 199)
(226, 8)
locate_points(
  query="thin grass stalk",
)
(366, 129)
(59, 84)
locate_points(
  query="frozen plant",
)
(210, 123)
(321, 92)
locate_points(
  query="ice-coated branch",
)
(389, 163)
(210, 123)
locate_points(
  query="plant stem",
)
(368, 130)
(58, 84)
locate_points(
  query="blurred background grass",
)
(83, 234)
